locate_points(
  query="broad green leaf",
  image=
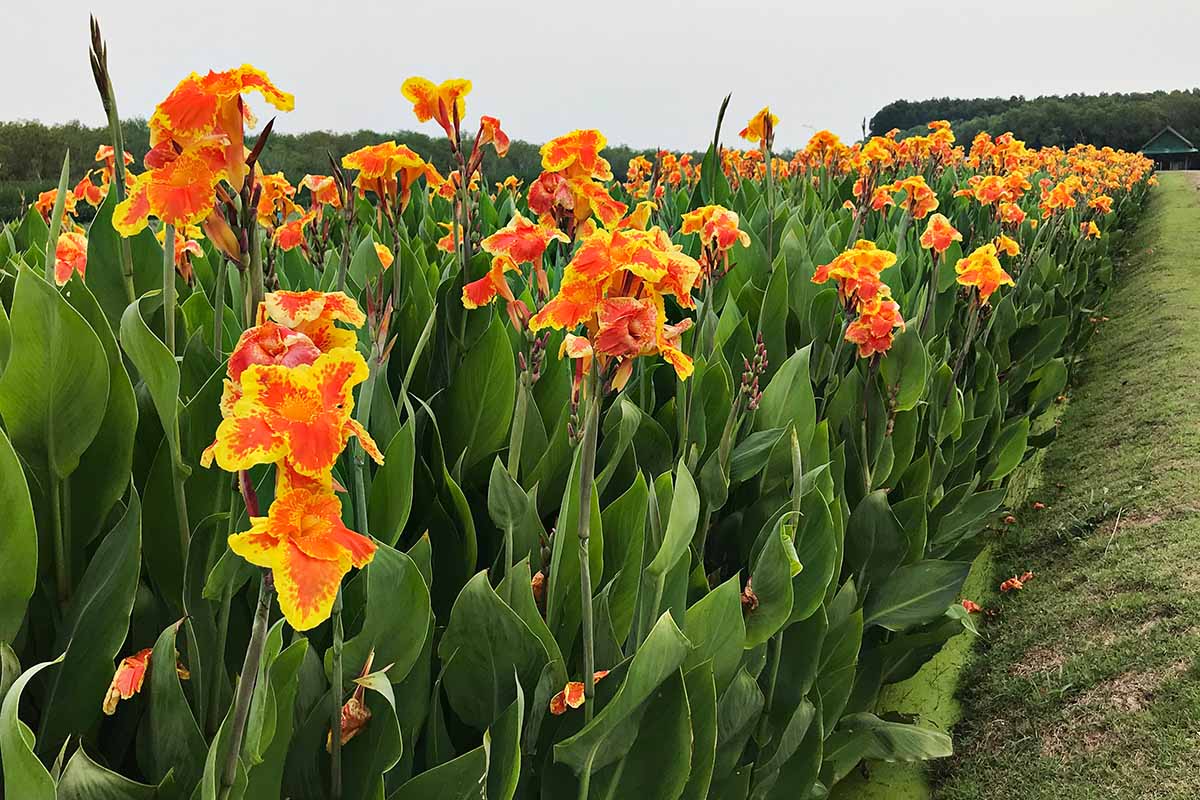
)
(905, 369)
(702, 710)
(392, 487)
(681, 524)
(24, 775)
(659, 761)
(715, 627)
(1009, 449)
(502, 742)
(484, 643)
(788, 400)
(84, 779)
(463, 778)
(771, 583)
(479, 400)
(376, 749)
(18, 542)
(915, 594)
(265, 778)
(55, 388)
(170, 738)
(156, 367)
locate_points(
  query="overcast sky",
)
(648, 73)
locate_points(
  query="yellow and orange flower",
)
(445, 102)
(308, 549)
(180, 193)
(524, 242)
(1089, 230)
(875, 326)
(939, 234)
(1006, 245)
(290, 234)
(384, 254)
(70, 256)
(856, 272)
(323, 189)
(577, 154)
(301, 413)
(45, 204)
(761, 127)
(982, 270)
(314, 314)
(389, 170)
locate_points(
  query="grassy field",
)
(1087, 683)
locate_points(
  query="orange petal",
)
(307, 586)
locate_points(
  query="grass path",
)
(1087, 683)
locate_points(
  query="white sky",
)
(648, 73)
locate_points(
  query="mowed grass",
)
(1087, 683)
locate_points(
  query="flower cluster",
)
(289, 402)
(874, 315)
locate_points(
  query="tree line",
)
(31, 155)
(1122, 120)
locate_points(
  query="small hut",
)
(1170, 150)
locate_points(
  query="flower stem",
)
(587, 476)
(335, 697)
(219, 309)
(254, 280)
(517, 438)
(168, 286)
(245, 689)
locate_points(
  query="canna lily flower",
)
(303, 413)
(185, 247)
(308, 549)
(524, 242)
(129, 676)
(89, 192)
(1006, 245)
(577, 154)
(919, 199)
(210, 110)
(718, 230)
(982, 270)
(761, 128)
(856, 272)
(939, 234)
(490, 133)
(1102, 203)
(270, 344)
(290, 234)
(481, 292)
(446, 243)
(572, 695)
(389, 170)
(45, 204)
(70, 256)
(106, 156)
(384, 254)
(875, 326)
(444, 103)
(511, 184)
(180, 193)
(275, 199)
(971, 607)
(314, 313)
(639, 218)
(323, 189)
(1010, 214)
(1089, 230)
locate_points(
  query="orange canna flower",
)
(1006, 245)
(971, 606)
(717, 227)
(323, 189)
(314, 313)
(270, 344)
(939, 234)
(761, 127)
(481, 292)
(180, 193)
(919, 198)
(45, 204)
(106, 156)
(572, 695)
(308, 549)
(128, 679)
(1011, 214)
(384, 254)
(389, 170)
(1089, 230)
(490, 133)
(1102, 203)
(577, 154)
(445, 103)
(290, 234)
(876, 324)
(302, 413)
(982, 270)
(70, 256)
(856, 272)
(89, 192)
(524, 242)
(275, 199)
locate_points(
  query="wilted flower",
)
(572, 695)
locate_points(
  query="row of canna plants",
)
(427, 489)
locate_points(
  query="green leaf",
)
(169, 736)
(265, 778)
(392, 487)
(681, 524)
(1008, 450)
(93, 632)
(866, 736)
(788, 400)
(771, 582)
(715, 627)
(109, 458)
(55, 388)
(84, 779)
(484, 642)
(502, 741)
(659, 657)
(702, 709)
(373, 752)
(24, 775)
(905, 368)
(156, 367)
(625, 521)
(479, 400)
(463, 778)
(660, 759)
(18, 542)
(392, 582)
(751, 454)
(507, 502)
(104, 262)
(915, 594)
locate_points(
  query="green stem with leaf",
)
(587, 477)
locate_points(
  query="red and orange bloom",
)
(481, 292)
(971, 607)
(290, 234)
(106, 156)
(89, 192)
(761, 128)
(314, 314)
(876, 324)
(308, 549)
(919, 198)
(490, 133)
(982, 270)
(210, 110)
(572, 695)
(524, 242)
(70, 256)
(446, 102)
(384, 254)
(303, 414)
(1102, 203)
(275, 201)
(185, 247)
(939, 234)
(129, 676)
(1010, 214)
(389, 170)
(180, 193)
(1089, 230)
(45, 204)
